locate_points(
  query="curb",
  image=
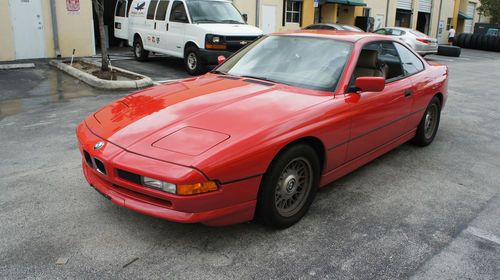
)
(16, 66)
(103, 84)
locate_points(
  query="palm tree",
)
(99, 10)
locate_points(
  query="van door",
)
(121, 19)
(150, 40)
(177, 28)
(162, 25)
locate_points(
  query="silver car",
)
(419, 41)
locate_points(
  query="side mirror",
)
(245, 17)
(373, 84)
(221, 59)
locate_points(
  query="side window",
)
(161, 11)
(120, 9)
(396, 32)
(411, 63)
(178, 13)
(151, 9)
(381, 31)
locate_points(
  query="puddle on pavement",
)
(23, 90)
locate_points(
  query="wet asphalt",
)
(419, 213)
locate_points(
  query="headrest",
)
(368, 59)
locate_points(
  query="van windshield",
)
(214, 12)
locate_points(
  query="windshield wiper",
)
(206, 20)
(218, 72)
(232, 21)
(258, 78)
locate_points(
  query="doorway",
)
(403, 18)
(27, 26)
(423, 22)
(268, 19)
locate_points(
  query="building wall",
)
(75, 30)
(7, 51)
(249, 7)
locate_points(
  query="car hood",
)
(180, 122)
(230, 29)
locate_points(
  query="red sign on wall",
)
(73, 5)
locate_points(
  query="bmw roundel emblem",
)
(98, 145)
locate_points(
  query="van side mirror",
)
(372, 84)
(245, 17)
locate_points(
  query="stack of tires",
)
(478, 42)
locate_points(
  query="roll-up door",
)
(404, 4)
(468, 25)
(425, 6)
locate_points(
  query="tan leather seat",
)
(369, 66)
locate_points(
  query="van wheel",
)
(140, 53)
(193, 62)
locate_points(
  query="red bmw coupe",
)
(257, 136)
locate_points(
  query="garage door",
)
(468, 25)
(425, 6)
(405, 4)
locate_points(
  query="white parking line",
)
(37, 124)
(484, 234)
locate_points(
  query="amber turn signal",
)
(198, 188)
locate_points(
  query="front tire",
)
(140, 53)
(288, 187)
(428, 127)
(193, 62)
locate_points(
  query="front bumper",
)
(210, 56)
(231, 204)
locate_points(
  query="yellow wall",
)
(7, 51)
(307, 12)
(329, 13)
(75, 30)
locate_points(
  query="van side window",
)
(178, 13)
(411, 63)
(120, 9)
(161, 11)
(151, 9)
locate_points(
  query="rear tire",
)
(428, 127)
(449, 51)
(193, 62)
(140, 53)
(288, 187)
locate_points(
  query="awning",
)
(462, 15)
(344, 2)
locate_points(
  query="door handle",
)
(155, 25)
(408, 93)
(167, 27)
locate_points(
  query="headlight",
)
(198, 188)
(215, 42)
(159, 185)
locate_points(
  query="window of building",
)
(293, 11)
(161, 11)
(411, 63)
(151, 9)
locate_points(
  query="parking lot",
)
(421, 213)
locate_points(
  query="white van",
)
(197, 30)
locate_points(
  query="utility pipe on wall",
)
(387, 13)
(55, 30)
(257, 13)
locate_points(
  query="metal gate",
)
(425, 6)
(405, 4)
(471, 10)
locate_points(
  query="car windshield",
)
(314, 63)
(214, 12)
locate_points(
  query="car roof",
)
(343, 35)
